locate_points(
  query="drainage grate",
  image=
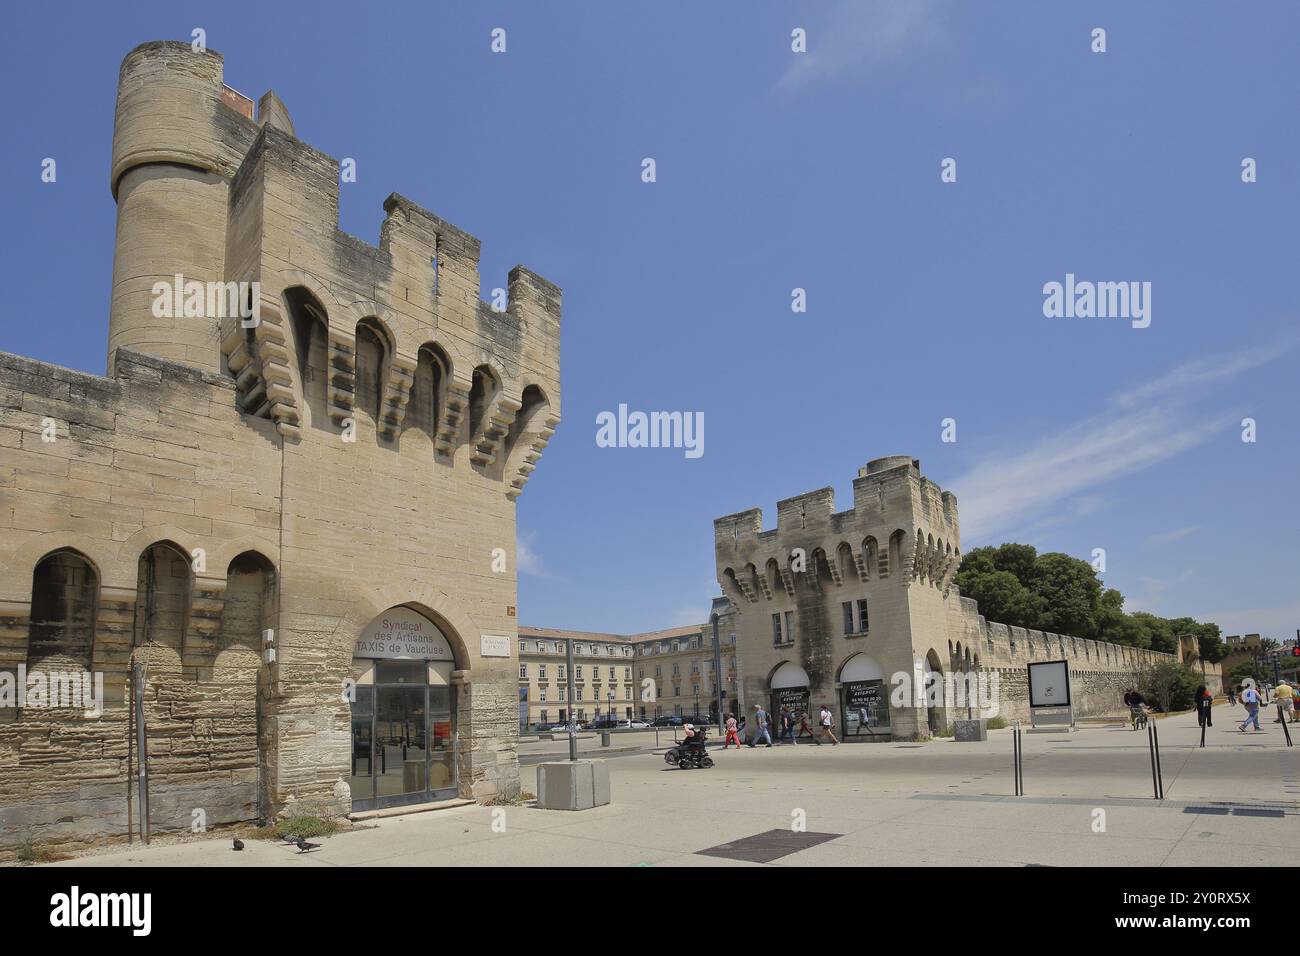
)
(766, 847)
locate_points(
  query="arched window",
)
(483, 389)
(533, 406)
(822, 567)
(896, 551)
(250, 601)
(368, 383)
(871, 555)
(162, 599)
(311, 342)
(431, 374)
(61, 632)
(844, 555)
(774, 581)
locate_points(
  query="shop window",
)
(401, 672)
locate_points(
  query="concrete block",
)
(573, 785)
(976, 729)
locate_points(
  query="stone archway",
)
(788, 688)
(936, 716)
(402, 711)
(863, 691)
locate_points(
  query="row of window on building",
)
(596, 695)
(675, 647)
(577, 672)
(557, 647)
(856, 622)
(677, 669)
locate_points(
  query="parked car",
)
(637, 724)
(603, 723)
(667, 721)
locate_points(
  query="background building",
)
(678, 661)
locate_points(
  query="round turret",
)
(176, 144)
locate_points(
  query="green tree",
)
(1159, 632)
(1170, 685)
(1251, 669)
(1019, 559)
(1070, 592)
(1016, 585)
(1001, 597)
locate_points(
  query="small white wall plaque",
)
(494, 645)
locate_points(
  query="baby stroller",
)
(1138, 716)
(689, 754)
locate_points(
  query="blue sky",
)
(778, 170)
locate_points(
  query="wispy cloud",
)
(1169, 537)
(857, 36)
(527, 557)
(1141, 427)
(1202, 372)
(1002, 490)
(1154, 591)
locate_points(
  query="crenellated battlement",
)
(902, 525)
(831, 604)
(394, 335)
(301, 434)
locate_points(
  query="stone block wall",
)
(210, 440)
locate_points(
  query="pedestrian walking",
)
(786, 727)
(1204, 702)
(760, 726)
(1232, 697)
(1250, 698)
(826, 719)
(805, 726)
(733, 732)
(1284, 694)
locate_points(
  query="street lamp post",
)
(573, 722)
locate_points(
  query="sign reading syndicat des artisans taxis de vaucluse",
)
(402, 634)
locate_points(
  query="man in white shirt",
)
(825, 722)
(1250, 697)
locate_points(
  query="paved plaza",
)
(940, 802)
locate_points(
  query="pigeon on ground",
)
(304, 846)
(239, 844)
(290, 838)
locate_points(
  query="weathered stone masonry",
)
(898, 548)
(207, 492)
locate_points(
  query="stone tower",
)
(832, 603)
(297, 481)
